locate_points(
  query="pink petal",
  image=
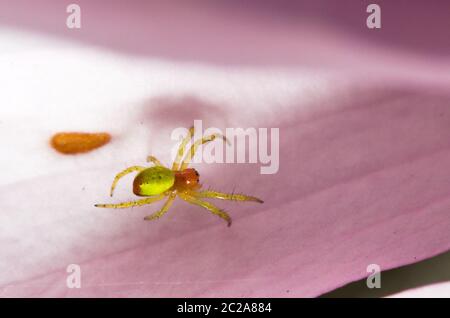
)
(364, 159)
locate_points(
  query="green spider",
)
(157, 182)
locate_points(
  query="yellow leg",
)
(155, 161)
(212, 208)
(195, 146)
(131, 203)
(182, 147)
(226, 196)
(123, 173)
(164, 209)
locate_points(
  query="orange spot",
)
(75, 142)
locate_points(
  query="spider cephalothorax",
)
(157, 182)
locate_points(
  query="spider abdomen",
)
(153, 181)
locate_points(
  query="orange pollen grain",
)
(75, 142)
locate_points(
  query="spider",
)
(158, 182)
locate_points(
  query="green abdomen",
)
(153, 181)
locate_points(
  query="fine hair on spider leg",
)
(130, 204)
(206, 205)
(164, 208)
(122, 174)
(182, 147)
(191, 153)
(227, 196)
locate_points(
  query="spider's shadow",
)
(168, 112)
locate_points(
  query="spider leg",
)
(209, 206)
(122, 174)
(225, 196)
(182, 147)
(154, 160)
(131, 203)
(164, 209)
(195, 146)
